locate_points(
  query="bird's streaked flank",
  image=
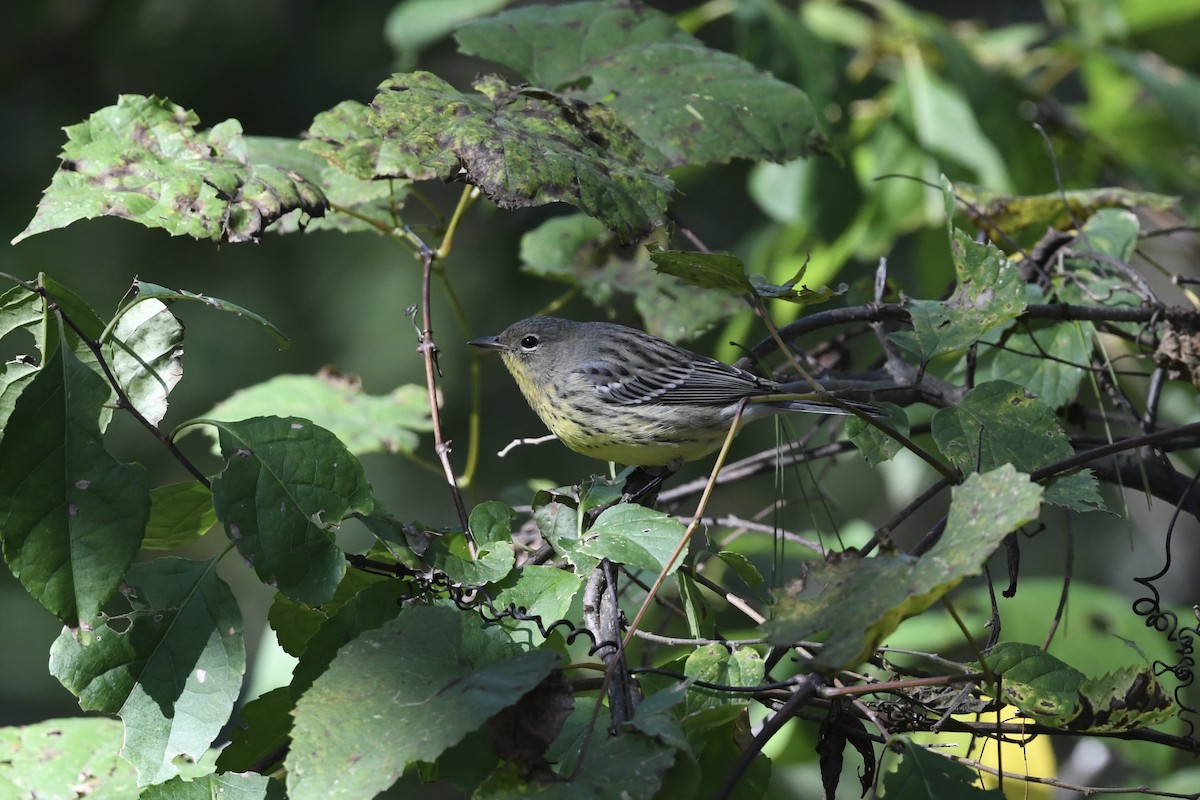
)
(620, 394)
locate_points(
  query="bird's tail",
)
(819, 405)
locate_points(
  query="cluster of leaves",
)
(435, 654)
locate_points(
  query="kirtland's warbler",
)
(620, 394)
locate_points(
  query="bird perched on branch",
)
(623, 395)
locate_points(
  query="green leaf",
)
(873, 444)
(143, 160)
(451, 554)
(1078, 492)
(146, 355)
(171, 668)
(542, 591)
(945, 125)
(714, 663)
(295, 623)
(491, 523)
(286, 487)
(860, 601)
(742, 566)
(71, 516)
(179, 513)
(629, 766)
(727, 273)
(1058, 695)
(364, 423)
(266, 729)
(1177, 90)
(1002, 211)
(1000, 423)
(65, 303)
(631, 534)
(441, 671)
(559, 524)
(142, 290)
(227, 786)
(343, 137)
(367, 610)
(413, 25)
(693, 104)
(990, 295)
(53, 759)
(922, 775)
(520, 146)
(1049, 361)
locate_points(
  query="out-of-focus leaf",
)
(1049, 360)
(714, 663)
(413, 25)
(144, 160)
(364, 423)
(693, 104)
(180, 513)
(1003, 211)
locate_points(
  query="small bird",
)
(623, 395)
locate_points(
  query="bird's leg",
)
(643, 484)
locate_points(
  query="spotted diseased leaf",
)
(520, 146)
(1058, 695)
(1002, 211)
(692, 104)
(144, 160)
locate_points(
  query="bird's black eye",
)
(529, 342)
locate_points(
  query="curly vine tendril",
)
(1167, 622)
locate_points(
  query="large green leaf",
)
(171, 667)
(144, 160)
(520, 146)
(693, 104)
(635, 535)
(286, 487)
(422, 682)
(858, 602)
(71, 515)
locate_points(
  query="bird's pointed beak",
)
(488, 343)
